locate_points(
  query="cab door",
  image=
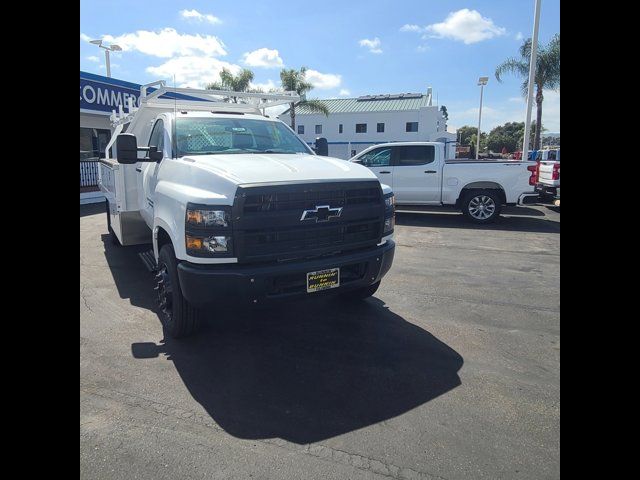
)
(378, 160)
(416, 175)
(147, 173)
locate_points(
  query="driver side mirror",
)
(127, 148)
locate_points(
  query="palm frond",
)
(512, 65)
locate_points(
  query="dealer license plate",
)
(323, 280)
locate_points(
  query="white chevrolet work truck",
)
(421, 175)
(237, 207)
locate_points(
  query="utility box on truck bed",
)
(118, 184)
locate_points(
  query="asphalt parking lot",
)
(450, 372)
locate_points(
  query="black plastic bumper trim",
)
(250, 284)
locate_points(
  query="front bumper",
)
(251, 284)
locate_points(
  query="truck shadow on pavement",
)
(302, 371)
(309, 371)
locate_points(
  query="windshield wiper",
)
(272, 150)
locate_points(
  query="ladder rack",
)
(201, 100)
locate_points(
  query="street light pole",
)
(532, 75)
(106, 55)
(107, 51)
(482, 81)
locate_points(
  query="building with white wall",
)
(354, 124)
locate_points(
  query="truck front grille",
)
(268, 226)
(301, 200)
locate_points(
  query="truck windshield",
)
(207, 136)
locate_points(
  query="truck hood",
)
(269, 167)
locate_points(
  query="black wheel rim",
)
(165, 293)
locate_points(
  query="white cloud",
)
(411, 28)
(344, 92)
(323, 81)
(192, 71)
(519, 36)
(266, 86)
(195, 15)
(93, 58)
(466, 26)
(372, 45)
(168, 42)
(263, 57)
(423, 48)
(85, 37)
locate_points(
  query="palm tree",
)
(547, 73)
(294, 80)
(234, 83)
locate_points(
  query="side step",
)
(149, 260)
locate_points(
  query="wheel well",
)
(163, 238)
(482, 186)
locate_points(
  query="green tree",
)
(473, 140)
(507, 136)
(295, 80)
(465, 133)
(445, 114)
(534, 131)
(547, 73)
(234, 83)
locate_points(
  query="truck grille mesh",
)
(268, 226)
(301, 200)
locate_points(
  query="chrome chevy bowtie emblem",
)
(322, 213)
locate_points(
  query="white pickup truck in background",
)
(237, 208)
(420, 175)
(548, 175)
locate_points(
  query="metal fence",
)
(89, 174)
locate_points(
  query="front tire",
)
(179, 317)
(481, 206)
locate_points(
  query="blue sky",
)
(351, 48)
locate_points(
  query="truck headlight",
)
(199, 217)
(208, 230)
(389, 224)
(390, 200)
(389, 213)
(208, 245)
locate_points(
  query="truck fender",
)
(481, 186)
(158, 224)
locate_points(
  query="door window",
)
(378, 157)
(409, 155)
(157, 136)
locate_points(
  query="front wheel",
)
(179, 317)
(481, 206)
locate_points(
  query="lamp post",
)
(532, 75)
(112, 48)
(482, 81)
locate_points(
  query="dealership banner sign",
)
(104, 97)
